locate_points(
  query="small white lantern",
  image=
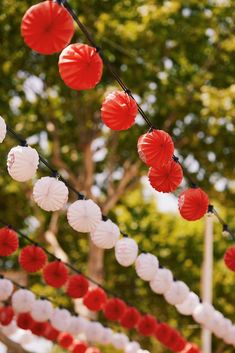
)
(22, 301)
(107, 336)
(126, 251)
(188, 306)
(177, 293)
(3, 129)
(60, 319)
(105, 235)
(146, 266)
(6, 289)
(41, 310)
(162, 281)
(119, 340)
(94, 332)
(132, 347)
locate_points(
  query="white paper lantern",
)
(177, 293)
(229, 337)
(132, 347)
(107, 336)
(41, 310)
(6, 289)
(94, 332)
(9, 329)
(23, 301)
(217, 323)
(202, 312)
(126, 251)
(3, 129)
(188, 306)
(50, 194)
(77, 325)
(146, 266)
(22, 163)
(161, 281)
(26, 338)
(60, 319)
(105, 235)
(119, 340)
(84, 215)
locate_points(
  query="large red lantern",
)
(155, 148)
(167, 177)
(39, 328)
(6, 315)
(32, 258)
(47, 27)
(25, 321)
(51, 333)
(193, 204)
(65, 340)
(147, 325)
(77, 286)
(130, 318)
(119, 111)
(163, 333)
(55, 274)
(79, 347)
(114, 309)
(95, 299)
(80, 66)
(229, 258)
(9, 241)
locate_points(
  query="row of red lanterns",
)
(32, 259)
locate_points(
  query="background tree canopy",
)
(178, 57)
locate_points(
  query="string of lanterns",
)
(32, 258)
(81, 67)
(84, 218)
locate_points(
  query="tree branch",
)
(12, 347)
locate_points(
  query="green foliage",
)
(178, 56)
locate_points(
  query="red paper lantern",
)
(9, 241)
(47, 27)
(114, 309)
(39, 328)
(80, 66)
(6, 315)
(79, 347)
(77, 286)
(119, 111)
(55, 274)
(147, 325)
(177, 343)
(229, 258)
(167, 177)
(95, 299)
(130, 318)
(93, 350)
(25, 321)
(51, 333)
(65, 340)
(163, 333)
(155, 148)
(32, 258)
(193, 204)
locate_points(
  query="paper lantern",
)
(162, 281)
(119, 340)
(163, 333)
(229, 258)
(23, 301)
(178, 343)
(166, 177)
(202, 312)
(24, 321)
(3, 129)
(105, 235)
(95, 299)
(80, 66)
(114, 309)
(32, 258)
(41, 310)
(191, 348)
(55, 274)
(50, 194)
(230, 335)
(9, 241)
(47, 27)
(38, 328)
(6, 289)
(79, 347)
(188, 306)
(146, 266)
(9, 329)
(77, 286)
(94, 332)
(65, 340)
(51, 333)
(77, 325)
(130, 318)
(177, 293)
(147, 325)
(155, 148)
(217, 324)
(84, 215)
(26, 338)
(132, 347)
(60, 319)
(6, 315)
(193, 204)
(107, 336)
(119, 111)
(22, 163)
(126, 251)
